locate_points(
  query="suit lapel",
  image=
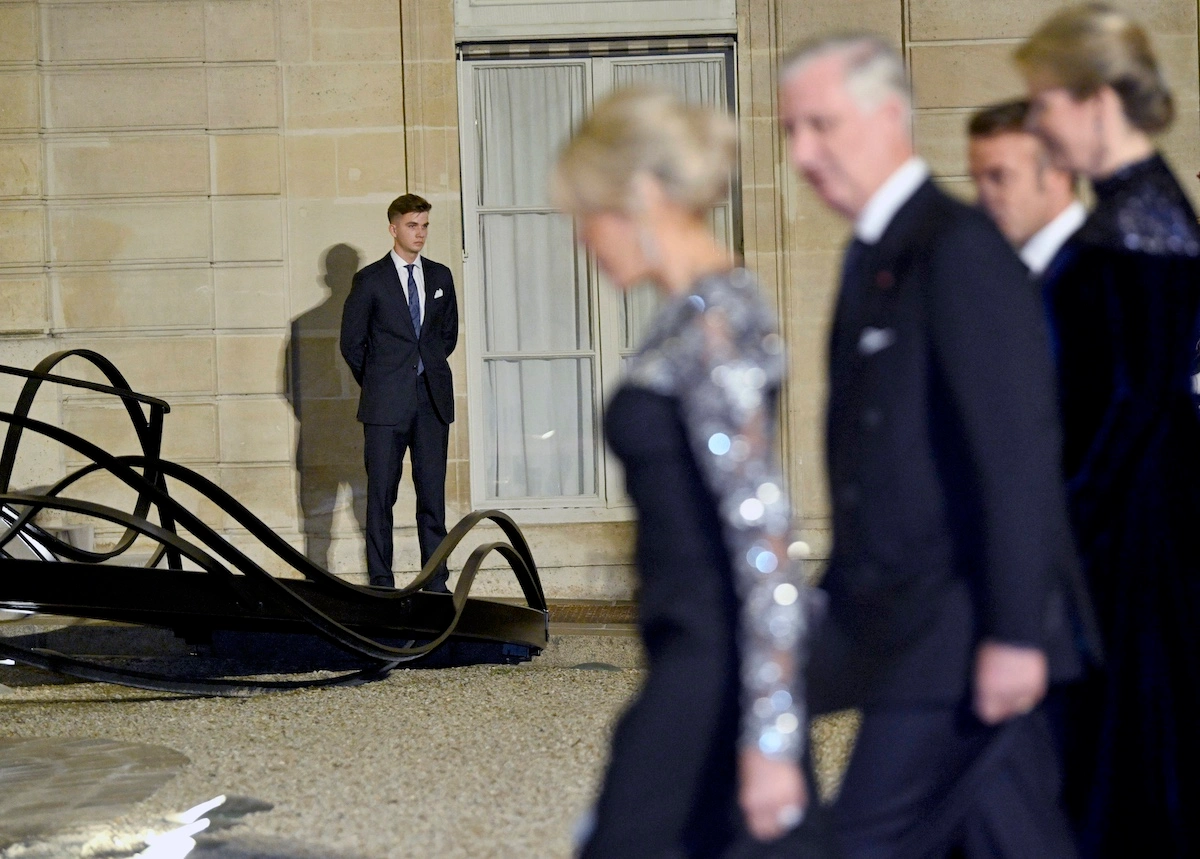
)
(886, 273)
(899, 240)
(851, 299)
(866, 323)
(432, 281)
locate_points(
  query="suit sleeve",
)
(355, 326)
(991, 356)
(449, 330)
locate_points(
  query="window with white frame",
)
(545, 338)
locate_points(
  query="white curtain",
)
(541, 365)
(524, 114)
(539, 358)
(696, 81)
(542, 417)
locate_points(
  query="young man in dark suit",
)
(399, 325)
(952, 571)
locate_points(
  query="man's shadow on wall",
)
(324, 398)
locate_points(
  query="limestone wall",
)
(187, 186)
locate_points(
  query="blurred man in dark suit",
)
(399, 325)
(1031, 200)
(951, 570)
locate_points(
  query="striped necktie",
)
(414, 311)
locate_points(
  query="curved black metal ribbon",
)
(146, 474)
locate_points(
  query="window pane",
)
(695, 81)
(523, 116)
(540, 428)
(720, 219)
(534, 290)
(637, 308)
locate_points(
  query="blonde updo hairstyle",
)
(639, 132)
(1084, 48)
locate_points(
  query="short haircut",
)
(874, 69)
(406, 203)
(1006, 117)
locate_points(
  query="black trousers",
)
(428, 439)
(930, 782)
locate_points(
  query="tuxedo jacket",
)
(943, 446)
(382, 349)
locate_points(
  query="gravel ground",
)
(483, 761)
(467, 762)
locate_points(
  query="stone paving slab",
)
(49, 784)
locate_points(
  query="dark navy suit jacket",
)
(381, 347)
(943, 444)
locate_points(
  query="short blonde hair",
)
(1084, 48)
(689, 150)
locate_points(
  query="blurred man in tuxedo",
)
(951, 571)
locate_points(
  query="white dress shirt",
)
(875, 217)
(418, 274)
(1040, 250)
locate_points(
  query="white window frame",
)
(479, 20)
(609, 503)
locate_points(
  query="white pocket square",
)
(437, 294)
(874, 340)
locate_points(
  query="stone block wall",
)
(187, 186)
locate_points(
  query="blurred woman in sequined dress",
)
(705, 762)
(1123, 310)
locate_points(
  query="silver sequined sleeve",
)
(717, 352)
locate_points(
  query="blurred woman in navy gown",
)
(705, 762)
(1123, 308)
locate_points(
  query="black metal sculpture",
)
(196, 581)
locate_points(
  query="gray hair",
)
(874, 70)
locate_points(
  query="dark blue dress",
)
(1123, 308)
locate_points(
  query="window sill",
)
(547, 515)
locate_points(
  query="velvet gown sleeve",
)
(1124, 313)
(1121, 318)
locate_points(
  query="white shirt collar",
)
(875, 217)
(401, 263)
(1040, 250)
(418, 276)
